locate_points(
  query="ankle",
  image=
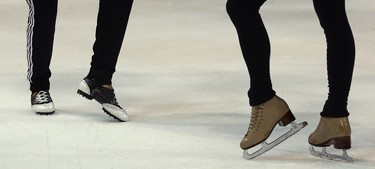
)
(107, 86)
(102, 84)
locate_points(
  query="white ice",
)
(183, 81)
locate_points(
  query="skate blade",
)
(324, 154)
(268, 146)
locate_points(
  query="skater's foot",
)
(41, 103)
(332, 131)
(103, 94)
(264, 117)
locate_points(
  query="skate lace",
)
(42, 96)
(256, 118)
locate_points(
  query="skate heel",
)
(342, 142)
(287, 119)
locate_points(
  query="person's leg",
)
(334, 127)
(267, 108)
(255, 46)
(112, 21)
(40, 37)
(340, 55)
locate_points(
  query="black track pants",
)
(255, 48)
(110, 30)
(111, 25)
(40, 35)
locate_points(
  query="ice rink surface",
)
(183, 81)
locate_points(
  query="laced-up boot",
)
(264, 118)
(41, 103)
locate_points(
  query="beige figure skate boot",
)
(331, 131)
(264, 118)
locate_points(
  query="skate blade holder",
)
(268, 146)
(324, 154)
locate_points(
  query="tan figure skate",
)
(331, 131)
(264, 118)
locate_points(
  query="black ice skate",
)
(106, 97)
(41, 103)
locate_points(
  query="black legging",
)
(256, 48)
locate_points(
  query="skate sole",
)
(85, 95)
(338, 143)
(45, 113)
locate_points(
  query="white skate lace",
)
(256, 118)
(42, 96)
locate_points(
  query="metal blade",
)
(323, 154)
(267, 146)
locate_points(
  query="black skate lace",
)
(42, 96)
(256, 118)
